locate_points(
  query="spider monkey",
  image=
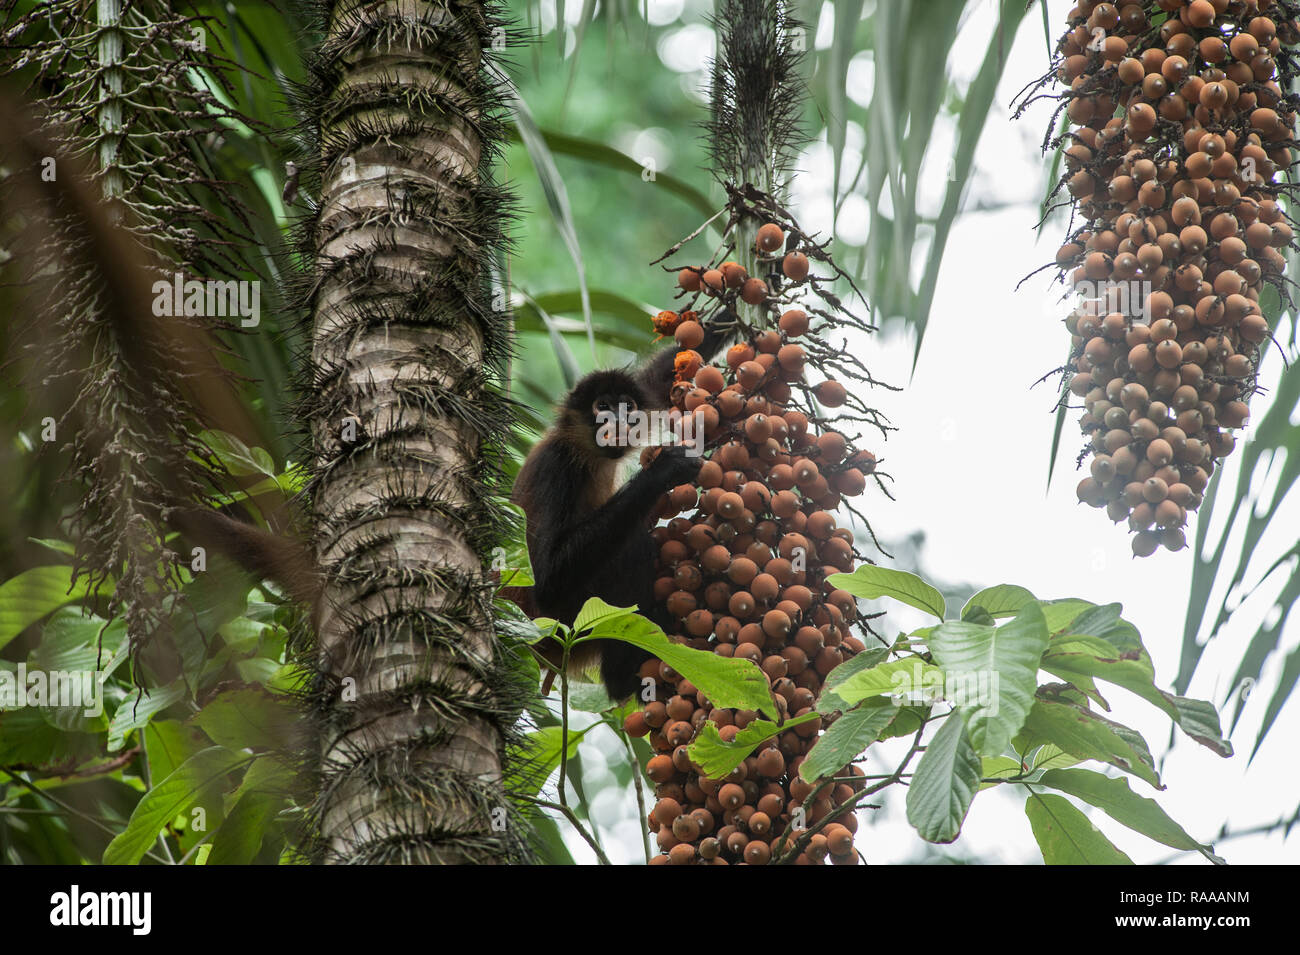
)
(585, 537)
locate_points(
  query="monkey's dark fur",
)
(585, 538)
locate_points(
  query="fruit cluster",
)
(743, 564)
(1181, 124)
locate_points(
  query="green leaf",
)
(589, 697)
(1200, 720)
(70, 640)
(897, 678)
(855, 664)
(729, 683)
(870, 582)
(1004, 600)
(1050, 756)
(716, 757)
(999, 767)
(596, 610)
(168, 743)
(1080, 659)
(28, 597)
(137, 710)
(1113, 796)
(237, 457)
(260, 796)
(944, 783)
(199, 775)
(847, 738)
(1066, 836)
(998, 668)
(248, 717)
(65, 548)
(26, 737)
(1084, 734)
(541, 757)
(1060, 613)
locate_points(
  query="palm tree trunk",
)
(407, 426)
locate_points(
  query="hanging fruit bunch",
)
(1180, 125)
(744, 556)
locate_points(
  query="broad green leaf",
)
(1066, 836)
(596, 610)
(249, 717)
(540, 757)
(168, 743)
(1004, 600)
(855, 664)
(1106, 623)
(870, 581)
(27, 738)
(1059, 613)
(1200, 720)
(1049, 756)
(717, 758)
(1086, 735)
(999, 767)
(589, 697)
(138, 709)
(848, 737)
(909, 720)
(1113, 796)
(997, 669)
(28, 597)
(729, 683)
(71, 641)
(896, 678)
(261, 794)
(200, 775)
(1080, 659)
(944, 784)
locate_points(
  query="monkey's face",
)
(613, 417)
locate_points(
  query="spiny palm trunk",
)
(416, 702)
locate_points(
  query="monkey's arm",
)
(287, 561)
(656, 376)
(569, 551)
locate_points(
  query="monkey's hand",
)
(673, 466)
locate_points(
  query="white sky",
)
(970, 463)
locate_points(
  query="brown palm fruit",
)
(753, 292)
(733, 273)
(770, 237)
(1180, 232)
(795, 266)
(689, 334)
